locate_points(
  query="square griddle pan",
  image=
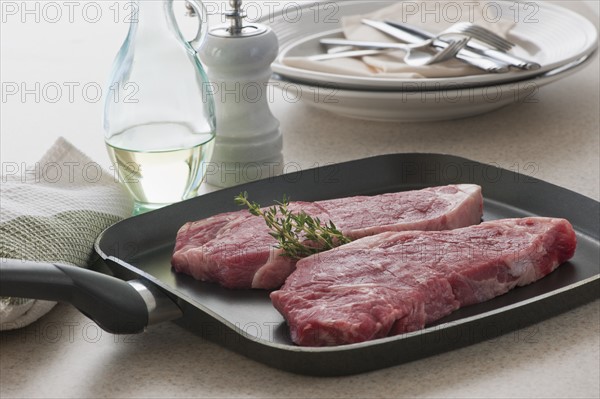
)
(246, 322)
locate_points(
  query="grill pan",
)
(139, 249)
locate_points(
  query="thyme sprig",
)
(297, 234)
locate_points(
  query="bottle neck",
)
(150, 18)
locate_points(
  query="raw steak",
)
(398, 282)
(235, 249)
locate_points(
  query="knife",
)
(346, 54)
(467, 55)
(480, 49)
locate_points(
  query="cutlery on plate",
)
(467, 55)
(467, 30)
(474, 47)
(416, 55)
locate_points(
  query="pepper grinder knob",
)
(235, 16)
(238, 59)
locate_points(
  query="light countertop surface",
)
(66, 355)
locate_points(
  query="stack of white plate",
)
(561, 41)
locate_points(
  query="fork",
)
(481, 34)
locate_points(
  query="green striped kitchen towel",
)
(53, 212)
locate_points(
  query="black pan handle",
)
(117, 306)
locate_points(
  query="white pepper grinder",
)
(238, 59)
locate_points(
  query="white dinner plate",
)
(424, 106)
(548, 34)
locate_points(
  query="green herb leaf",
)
(293, 231)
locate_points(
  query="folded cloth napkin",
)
(434, 16)
(53, 212)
